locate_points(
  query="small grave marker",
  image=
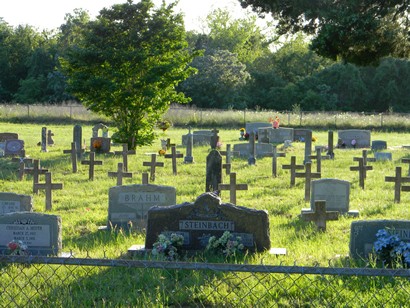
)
(275, 154)
(252, 149)
(91, 163)
(398, 180)
(50, 136)
(330, 145)
(320, 216)
(41, 233)
(189, 159)
(169, 144)
(233, 187)
(44, 139)
(14, 147)
(383, 156)
(125, 152)
(214, 138)
(174, 155)
(78, 139)
(378, 145)
(48, 186)
(293, 167)
(153, 164)
(36, 171)
(318, 157)
(120, 174)
(22, 165)
(145, 178)
(365, 159)
(308, 175)
(213, 171)
(362, 168)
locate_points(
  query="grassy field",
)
(83, 204)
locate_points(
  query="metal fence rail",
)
(84, 282)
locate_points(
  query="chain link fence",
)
(185, 116)
(33, 281)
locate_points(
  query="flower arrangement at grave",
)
(353, 143)
(97, 145)
(242, 133)
(275, 122)
(219, 145)
(164, 125)
(162, 152)
(168, 248)
(227, 245)
(246, 136)
(314, 138)
(17, 248)
(391, 250)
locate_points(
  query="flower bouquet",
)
(390, 249)
(17, 248)
(168, 247)
(227, 245)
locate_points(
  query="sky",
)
(49, 14)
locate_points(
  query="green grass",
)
(83, 206)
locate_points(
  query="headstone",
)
(207, 217)
(50, 140)
(11, 202)
(363, 234)
(100, 144)
(355, 138)
(78, 139)
(91, 163)
(213, 171)
(335, 192)
(232, 187)
(280, 134)
(128, 205)
(301, 134)
(189, 159)
(263, 135)
(262, 150)
(48, 186)
(202, 137)
(381, 156)
(40, 232)
(14, 147)
(255, 126)
(378, 145)
(97, 128)
(8, 136)
(44, 139)
(320, 215)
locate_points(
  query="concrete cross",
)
(36, 171)
(275, 154)
(169, 144)
(120, 174)
(308, 175)
(74, 154)
(49, 187)
(398, 180)
(153, 164)
(233, 187)
(91, 163)
(228, 153)
(319, 158)
(362, 168)
(330, 152)
(320, 216)
(365, 159)
(125, 152)
(174, 157)
(293, 167)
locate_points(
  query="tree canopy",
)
(127, 64)
(356, 31)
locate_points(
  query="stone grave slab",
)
(378, 145)
(300, 134)
(129, 204)
(279, 135)
(40, 232)
(201, 137)
(207, 217)
(262, 150)
(254, 126)
(363, 234)
(8, 136)
(335, 192)
(381, 156)
(11, 202)
(362, 137)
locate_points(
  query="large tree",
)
(127, 65)
(356, 31)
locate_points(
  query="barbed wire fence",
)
(35, 281)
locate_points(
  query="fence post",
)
(244, 117)
(28, 111)
(300, 119)
(71, 112)
(335, 120)
(381, 119)
(288, 118)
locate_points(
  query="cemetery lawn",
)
(83, 204)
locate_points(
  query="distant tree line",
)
(240, 66)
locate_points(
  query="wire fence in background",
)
(31, 281)
(188, 116)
